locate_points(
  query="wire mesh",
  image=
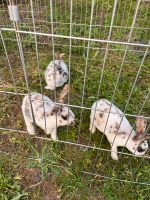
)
(107, 48)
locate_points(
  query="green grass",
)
(9, 186)
(61, 165)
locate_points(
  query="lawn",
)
(38, 168)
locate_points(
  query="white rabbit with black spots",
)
(43, 112)
(56, 73)
(117, 128)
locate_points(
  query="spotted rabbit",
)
(56, 73)
(117, 128)
(44, 111)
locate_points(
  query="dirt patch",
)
(50, 190)
(14, 144)
(31, 180)
(97, 197)
(31, 176)
(6, 145)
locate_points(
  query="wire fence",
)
(106, 46)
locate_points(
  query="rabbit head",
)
(65, 116)
(56, 73)
(140, 138)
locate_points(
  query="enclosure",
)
(106, 46)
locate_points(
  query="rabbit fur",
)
(42, 109)
(56, 73)
(118, 133)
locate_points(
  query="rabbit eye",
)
(64, 117)
(140, 149)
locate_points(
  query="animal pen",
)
(106, 46)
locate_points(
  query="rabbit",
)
(118, 134)
(56, 73)
(44, 109)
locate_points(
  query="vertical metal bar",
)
(81, 18)
(18, 37)
(101, 19)
(10, 67)
(53, 46)
(65, 10)
(146, 19)
(28, 20)
(75, 20)
(85, 25)
(107, 14)
(104, 61)
(123, 14)
(53, 52)
(37, 59)
(55, 10)
(60, 9)
(96, 15)
(46, 6)
(86, 66)
(11, 72)
(117, 14)
(70, 45)
(129, 12)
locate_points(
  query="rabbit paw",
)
(114, 156)
(49, 88)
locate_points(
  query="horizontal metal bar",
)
(75, 38)
(15, 93)
(80, 24)
(89, 173)
(76, 46)
(13, 130)
(72, 143)
(98, 25)
(80, 107)
(115, 179)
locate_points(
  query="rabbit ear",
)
(140, 124)
(138, 136)
(56, 56)
(59, 56)
(140, 128)
(64, 93)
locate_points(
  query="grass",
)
(57, 167)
